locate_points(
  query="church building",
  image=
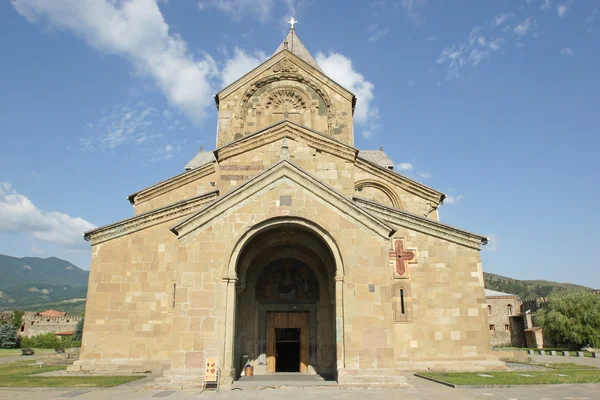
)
(287, 249)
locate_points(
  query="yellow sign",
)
(210, 373)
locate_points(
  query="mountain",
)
(31, 280)
(526, 289)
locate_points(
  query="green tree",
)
(573, 317)
(17, 319)
(8, 336)
(78, 331)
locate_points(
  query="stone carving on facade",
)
(242, 111)
(287, 281)
(285, 65)
(285, 101)
(400, 257)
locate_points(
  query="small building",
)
(64, 334)
(501, 307)
(49, 321)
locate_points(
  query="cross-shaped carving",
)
(402, 256)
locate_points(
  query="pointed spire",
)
(293, 44)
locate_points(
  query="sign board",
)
(210, 372)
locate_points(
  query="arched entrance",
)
(285, 308)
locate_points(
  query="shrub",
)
(48, 341)
(8, 336)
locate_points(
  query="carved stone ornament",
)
(400, 257)
(285, 100)
(287, 281)
(285, 65)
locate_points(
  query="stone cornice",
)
(171, 183)
(422, 224)
(290, 130)
(151, 218)
(306, 68)
(283, 170)
(401, 181)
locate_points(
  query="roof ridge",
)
(293, 44)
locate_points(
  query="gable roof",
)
(52, 313)
(319, 76)
(200, 159)
(495, 293)
(280, 170)
(293, 44)
(150, 218)
(288, 129)
(378, 157)
(422, 224)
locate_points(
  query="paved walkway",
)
(561, 359)
(10, 359)
(423, 390)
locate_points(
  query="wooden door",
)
(298, 320)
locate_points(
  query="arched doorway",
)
(285, 302)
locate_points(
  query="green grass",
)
(17, 352)
(566, 375)
(24, 374)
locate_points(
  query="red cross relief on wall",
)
(402, 256)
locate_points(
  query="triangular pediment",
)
(290, 130)
(285, 62)
(283, 173)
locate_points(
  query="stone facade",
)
(500, 308)
(286, 223)
(37, 323)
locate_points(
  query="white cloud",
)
(592, 21)
(131, 123)
(562, 9)
(378, 34)
(524, 27)
(238, 8)
(424, 174)
(339, 68)
(481, 44)
(412, 7)
(566, 51)
(240, 64)
(367, 134)
(453, 199)
(19, 214)
(499, 19)
(136, 30)
(546, 5)
(404, 166)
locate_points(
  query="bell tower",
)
(290, 85)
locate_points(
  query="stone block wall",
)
(498, 318)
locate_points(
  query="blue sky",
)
(493, 103)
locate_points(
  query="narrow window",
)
(22, 328)
(507, 327)
(509, 310)
(402, 302)
(492, 329)
(489, 310)
(174, 291)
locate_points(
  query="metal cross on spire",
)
(292, 21)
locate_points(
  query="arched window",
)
(509, 310)
(401, 302)
(489, 310)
